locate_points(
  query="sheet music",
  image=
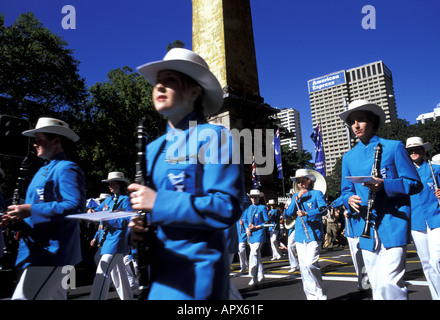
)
(102, 215)
(362, 179)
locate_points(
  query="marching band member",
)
(274, 216)
(425, 215)
(197, 195)
(48, 241)
(242, 236)
(112, 239)
(253, 218)
(307, 205)
(383, 254)
(291, 244)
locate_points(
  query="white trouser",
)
(428, 249)
(308, 255)
(41, 283)
(234, 294)
(358, 261)
(242, 256)
(276, 253)
(291, 250)
(111, 265)
(385, 269)
(129, 267)
(255, 262)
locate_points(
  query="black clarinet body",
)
(375, 173)
(144, 247)
(12, 229)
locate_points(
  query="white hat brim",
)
(213, 98)
(117, 179)
(62, 131)
(374, 108)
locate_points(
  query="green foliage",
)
(292, 161)
(38, 74)
(109, 128)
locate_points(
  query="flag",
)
(255, 178)
(277, 150)
(319, 152)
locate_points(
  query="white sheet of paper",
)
(362, 179)
(102, 215)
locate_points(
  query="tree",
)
(38, 74)
(108, 129)
(38, 77)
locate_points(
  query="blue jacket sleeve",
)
(68, 195)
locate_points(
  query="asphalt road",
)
(338, 274)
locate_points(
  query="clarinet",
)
(375, 173)
(12, 230)
(433, 178)
(303, 223)
(144, 247)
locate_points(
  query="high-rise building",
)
(330, 94)
(289, 119)
(430, 116)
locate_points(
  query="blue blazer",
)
(391, 209)
(199, 195)
(116, 240)
(257, 215)
(310, 202)
(47, 239)
(425, 209)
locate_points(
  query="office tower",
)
(289, 119)
(373, 82)
(430, 116)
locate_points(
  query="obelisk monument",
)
(223, 35)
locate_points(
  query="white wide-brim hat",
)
(300, 173)
(363, 105)
(103, 196)
(271, 201)
(51, 125)
(436, 159)
(255, 193)
(116, 176)
(194, 66)
(414, 142)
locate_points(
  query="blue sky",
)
(295, 41)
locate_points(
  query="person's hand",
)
(16, 213)
(437, 193)
(301, 213)
(141, 197)
(354, 202)
(375, 187)
(137, 229)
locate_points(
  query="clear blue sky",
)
(295, 40)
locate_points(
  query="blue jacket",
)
(311, 202)
(257, 215)
(425, 209)
(275, 219)
(241, 230)
(391, 209)
(47, 239)
(116, 240)
(199, 192)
